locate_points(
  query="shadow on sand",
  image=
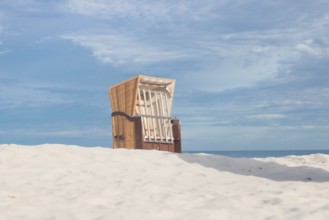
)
(253, 167)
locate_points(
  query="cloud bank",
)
(252, 71)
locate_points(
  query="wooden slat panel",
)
(114, 101)
(116, 130)
(131, 96)
(135, 91)
(122, 130)
(130, 139)
(123, 96)
(113, 131)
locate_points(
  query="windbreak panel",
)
(154, 108)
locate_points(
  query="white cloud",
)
(312, 49)
(28, 6)
(24, 95)
(265, 116)
(3, 49)
(293, 103)
(145, 9)
(2, 52)
(224, 64)
(228, 53)
(308, 49)
(225, 58)
(119, 49)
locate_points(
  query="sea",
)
(262, 154)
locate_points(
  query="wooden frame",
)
(141, 114)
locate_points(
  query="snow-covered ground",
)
(72, 182)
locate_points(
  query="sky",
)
(250, 74)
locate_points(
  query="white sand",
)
(71, 182)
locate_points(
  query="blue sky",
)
(251, 74)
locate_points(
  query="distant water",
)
(268, 153)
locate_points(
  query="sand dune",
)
(72, 182)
